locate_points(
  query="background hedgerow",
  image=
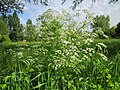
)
(113, 46)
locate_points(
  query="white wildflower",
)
(20, 54)
(21, 48)
(66, 42)
(28, 49)
(89, 41)
(99, 47)
(89, 49)
(85, 56)
(29, 57)
(76, 54)
(103, 56)
(102, 44)
(84, 51)
(58, 52)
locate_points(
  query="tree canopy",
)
(117, 30)
(102, 22)
(14, 27)
(29, 22)
(74, 2)
(30, 34)
(10, 5)
(3, 28)
(17, 5)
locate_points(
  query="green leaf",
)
(3, 86)
(6, 78)
(38, 86)
(109, 76)
(69, 84)
(36, 76)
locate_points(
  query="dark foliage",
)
(117, 30)
(7, 6)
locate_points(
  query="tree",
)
(30, 31)
(112, 32)
(117, 30)
(3, 32)
(102, 22)
(3, 28)
(29, 22)
(10, 5)
(15, 28)
(77, 2)
(74, 2)
(17, 5)
(20, 34)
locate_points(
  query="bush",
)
(113, 46)
(0, 37)
(3, 28)
(4, 38)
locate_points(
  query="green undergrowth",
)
(66, 65)
(113, 46)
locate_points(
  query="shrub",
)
(4, 38)
(3, 28)
(0, 37)
(113, 46)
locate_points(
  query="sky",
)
(101, 7)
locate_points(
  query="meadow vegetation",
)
(60, 54)
(70, 64)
